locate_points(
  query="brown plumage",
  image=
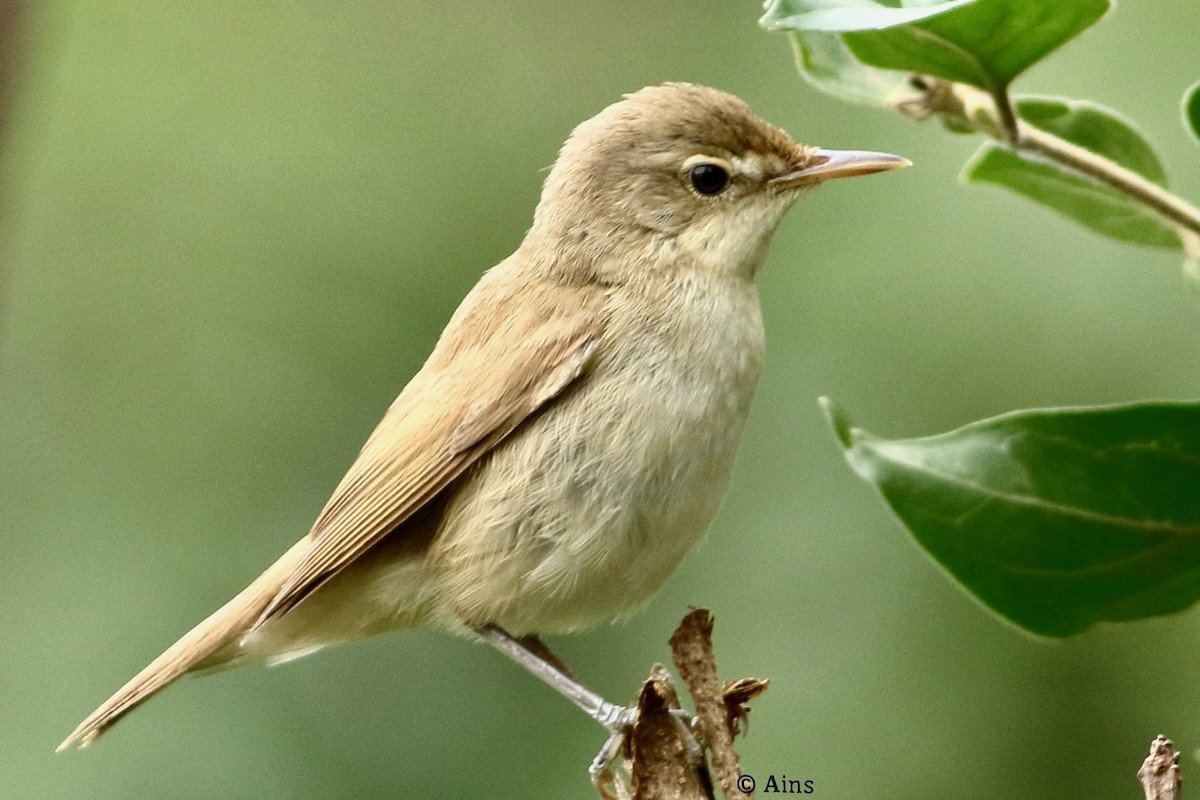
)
(571, 434)
(423, 442)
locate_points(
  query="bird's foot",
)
(620, 721)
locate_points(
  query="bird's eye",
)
(708, 178)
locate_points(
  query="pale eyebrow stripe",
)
(751, 166)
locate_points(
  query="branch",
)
(1170, 207)
(691, 649)
(661, 765)
(1160, 771)
(1007, 116)
(665, 755)
(993, 115)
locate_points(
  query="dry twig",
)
(666, 758)
(1159, 773)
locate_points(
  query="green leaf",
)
(1096, 128)
(1055, 519)
(985, 43)
(1092, 204)
(824, 61)
(1191, 110)
(838, 16)
(1083, 199)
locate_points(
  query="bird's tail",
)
(209, 644)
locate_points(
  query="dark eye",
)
(708, 178)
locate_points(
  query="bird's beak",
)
(826, 164)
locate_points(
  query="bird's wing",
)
(505, 355)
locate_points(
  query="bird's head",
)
(682, 174)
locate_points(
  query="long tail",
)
(194, 651)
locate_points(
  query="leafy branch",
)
(964, 107)
(956, 61)
(1057, 518)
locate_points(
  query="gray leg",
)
(534, 656)
(600, 770)
(611, 716)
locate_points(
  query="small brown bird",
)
(572, 434)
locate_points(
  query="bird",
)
(573, 431)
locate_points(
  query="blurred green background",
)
(232, 232)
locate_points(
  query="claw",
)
(620, 721)
(685, 725)
(601, 771)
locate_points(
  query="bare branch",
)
(691, 649)
(662, 768)
(665, 753)
(1160, 771)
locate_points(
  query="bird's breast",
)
(587, 509)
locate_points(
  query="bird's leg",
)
(536, 646)
(607, 784)
(531, 654)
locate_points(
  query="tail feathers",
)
(201, 648)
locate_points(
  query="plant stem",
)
(1007, 116)
(1170, 207)
(993, 114)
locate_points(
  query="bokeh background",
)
(232, 231)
